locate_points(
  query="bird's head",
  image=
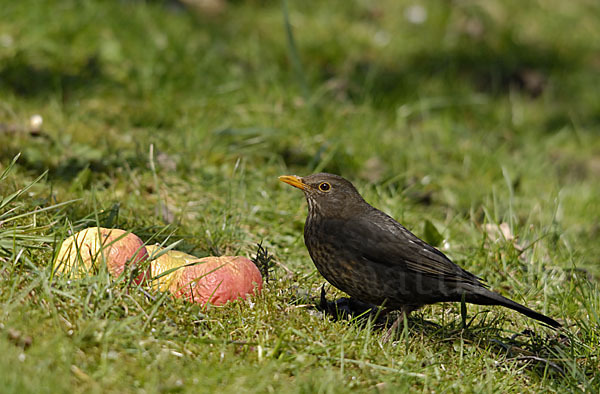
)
(328, 194)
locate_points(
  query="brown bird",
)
(369, 255)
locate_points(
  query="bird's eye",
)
(324, 186)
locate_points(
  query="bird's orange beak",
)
(293, 180)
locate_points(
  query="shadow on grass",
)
(543, 354)
(490, 69)
(23, 77)
(66, 160)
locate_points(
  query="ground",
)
(474, 124)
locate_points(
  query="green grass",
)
(487, 113)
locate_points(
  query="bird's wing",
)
(379, 238)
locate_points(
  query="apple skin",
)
(214, 280)
(82, 253)
(168, 261)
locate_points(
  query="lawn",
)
(475, 124)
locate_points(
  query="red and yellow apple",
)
(213, 280)
(83, 253)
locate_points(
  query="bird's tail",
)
(483, 296)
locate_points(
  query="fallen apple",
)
(82, 253)
(165, 268)
(213, 280)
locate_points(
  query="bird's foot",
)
(345, 308)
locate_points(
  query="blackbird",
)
(369, 255)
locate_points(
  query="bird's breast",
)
(339, 266)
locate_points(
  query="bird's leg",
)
(404, 312)
(323, 300)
